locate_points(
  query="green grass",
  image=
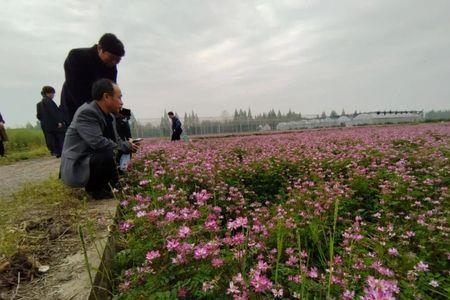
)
(48, 199)
(24, 143)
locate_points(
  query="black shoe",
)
(100, 194)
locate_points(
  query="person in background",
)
(3, 136)
(176, 127)
(89, 154)
(124, 132)
(84, 66)
(123, 125)
(52, 122)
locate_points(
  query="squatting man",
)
(89, 154)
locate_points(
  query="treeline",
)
(438, 115)
(241, 121)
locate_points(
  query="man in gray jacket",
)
(88, 157)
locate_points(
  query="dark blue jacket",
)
(49, 115)
(176, 125)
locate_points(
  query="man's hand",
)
(2, 125)
(134, 146)
(60, 125)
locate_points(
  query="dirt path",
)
(14, 176)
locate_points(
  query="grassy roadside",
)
(18, 155)
(35, 219)
(22, 144)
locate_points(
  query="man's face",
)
(108, 58)
(114, 102)
(50, 95)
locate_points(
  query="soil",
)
(52, 241)
(67, 277)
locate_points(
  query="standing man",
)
(91, 143)
(176, 127)
(3, 136)
(83, 67)
(52, 122)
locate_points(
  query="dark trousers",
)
(54, 141)
(176, 135)
(2, 148)
(103, 172)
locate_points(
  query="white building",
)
(369, 118)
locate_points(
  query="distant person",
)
(3, 136)
(124, 132)
(83, 67)
(176, 127)
(88, 157)
(52, 121)
(123, 123)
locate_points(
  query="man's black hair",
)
(170, 113)
(109, 42)
(102, 86)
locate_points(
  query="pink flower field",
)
(353, 213)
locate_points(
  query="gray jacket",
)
(84, 137)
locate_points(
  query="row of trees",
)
(240, 121)
(438, 115)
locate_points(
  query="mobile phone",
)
(137, 140)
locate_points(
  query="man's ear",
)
(106, 96)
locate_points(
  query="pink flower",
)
(184, 231)
(201, 252)
(262, 266)
(172, 244)
(151, 255)
(141, 214)
(125, 226)
(232, 289)
(421, 267)
(289, 251)
(240, 221)
(201, 197)
(393, 252)
(292, 260)
(143, 182)
(277, 293)
(313, 273)
(260, 283)
(348, 295)
(211, 223)
(217, 262)
(379, 289)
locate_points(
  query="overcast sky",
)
(210, 56)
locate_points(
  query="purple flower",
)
(217, 262)
(184, 231)
(151, 255)
(260, 283)
(379, 289)
(201, 252)
(421, 267)
(313, 273)
(125, 226)
(393, 252)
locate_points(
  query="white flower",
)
(434, 283)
